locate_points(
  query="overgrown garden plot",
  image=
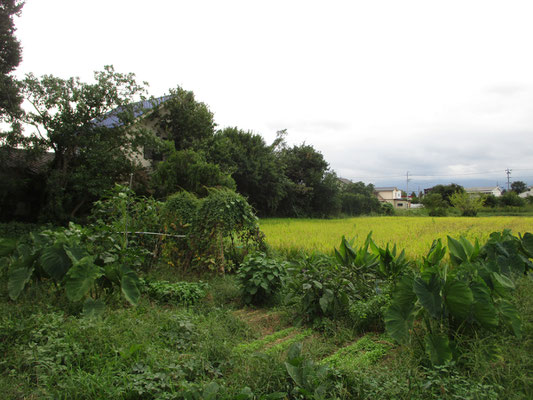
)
(363, 320)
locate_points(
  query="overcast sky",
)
(436, 88)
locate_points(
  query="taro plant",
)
(310, 380)
(508, 253)
(260, 278)
(319, 288)
(63, 257)
(325, 286)
(391, 266)
(449, 300)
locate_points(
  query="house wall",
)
(393, 197)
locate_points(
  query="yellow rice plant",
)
(414, 234)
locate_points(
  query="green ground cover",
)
(192, 337)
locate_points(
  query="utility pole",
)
(407, 189)
(508, 172)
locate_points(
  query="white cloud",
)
(379, 87)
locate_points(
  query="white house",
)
(495, 190)
(528, 193)
(391, 195)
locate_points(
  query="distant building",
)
(495, 190)
(344, 181)
(141, 112)
(392, 195)
(528, 193)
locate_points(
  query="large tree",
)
(188, 170)
(252, 164)
(91, 130)
(10, 57)
(185, 121)
(518, 187)
(358, 198)
(447, 191)
(309, 183)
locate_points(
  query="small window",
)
(400, 204)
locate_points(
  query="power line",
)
(436, 175)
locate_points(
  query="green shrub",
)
(468, 204)
(387, 208)
(180, 209)
(511, 199)
(260, 278)
(222, 215)
(129, 221)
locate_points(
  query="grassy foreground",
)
(414, 234)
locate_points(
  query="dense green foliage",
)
(358, 198)
(88, 157)
(260, 278)
(469, 205)
(471, 293)
(253, 165)
(10, 57)
(518, 187)
(187, 170)
(184, 293)
(75, 260)
(185, 121)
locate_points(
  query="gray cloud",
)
(510, 89)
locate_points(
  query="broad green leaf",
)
(404, 296)
(428, 294)
(527, 244)
(18, 277)
(93, 308)
(294, 351)
(324, 303)
(398, 322)
(81, 277)
(211, 391)
(295, 373)
(436, 253)
(457, 251)
(75, 253)
(438, 348)
(510, 316)
(245, 394)
(326, 299)
(26, 255)
(339, 257)
(129, 285)
(55, 261)
(502, 284)
(467, 246)
(7, 246)
(483, 308)
(458, 298)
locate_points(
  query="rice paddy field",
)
(414, 234)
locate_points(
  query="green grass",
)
(363, 353)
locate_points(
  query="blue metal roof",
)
(111, 119)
